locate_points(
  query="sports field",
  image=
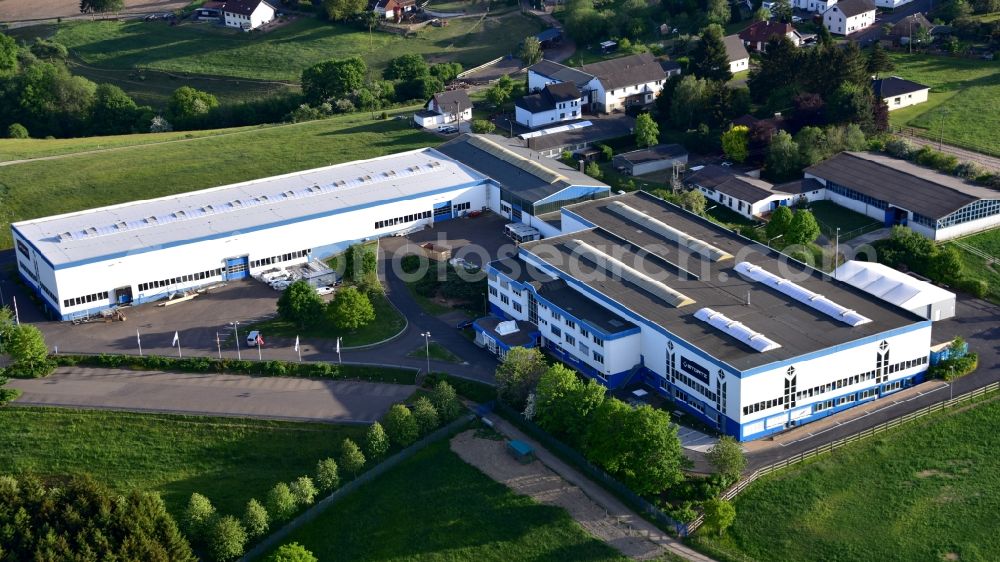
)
(928, 492)
(230, 460)
(964, 103)
(84, 181)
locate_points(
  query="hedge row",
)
(265, 368)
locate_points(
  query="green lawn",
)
(228, 459)
(436, 351)
(434, 506)
(964, 106)
(38, 189)
(976, 267)
(388, 322)
(927, 492)
(281, 54)
(830, 216)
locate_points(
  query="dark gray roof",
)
(745, 188)
(549, 34)
(799, 329)
(560, 294)
(895, 86)
(549, 97)
(517, 169)
(709, 176)
(910, 24)
(560, 72)
(447, 100)
(669, 66)
(851, 8)
(804, 185)
(626, 71)
(735, 49)
(654, 153)
(900, 183)
(244, 7)
(600, 130)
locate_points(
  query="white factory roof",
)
(891, 285)
(219, 211)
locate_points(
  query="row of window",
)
(863, 395)
(402, 220)
(278, 259)
(212, 273)
(77, 301)
(829, 387)
(697, 386)
(978, 210)
(462, 207)
(856, 195)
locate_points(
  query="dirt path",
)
(536, 481)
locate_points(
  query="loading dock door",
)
(237, 268)
(442, 211)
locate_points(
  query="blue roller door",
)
(442, 211)
(237, 268)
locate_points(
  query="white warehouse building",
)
(85, 262)
(638, 291)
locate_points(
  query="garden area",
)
(831, 216)
(84, 181)
(924, 492)
(443, 289)
(942, 263)
(963, 107)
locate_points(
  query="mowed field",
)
(964, 103)
(84, 181)
(230, 460)
(434, 506)
(27, 10)
(978, 267)
(281, 54)
(929, 492)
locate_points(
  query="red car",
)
(473, 214)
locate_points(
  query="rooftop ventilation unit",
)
(616, 267)
(666, 231)
(801, 294)
(736, 330)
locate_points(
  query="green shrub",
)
(255, 519)
(227, 539)
(975, 287)
(17, 131)
(280, 502)
(410, 263)
(400, 425)
(303, 490)
(327, 475)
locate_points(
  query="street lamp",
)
(836, 254)
(236, 332)
(427, 349)
(771, 239)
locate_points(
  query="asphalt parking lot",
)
(478, 240)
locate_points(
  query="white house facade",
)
(898, 93)
(555, 103)
(849, 16)
(247, 14)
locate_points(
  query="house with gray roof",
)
(898, 93)
(445, 108)
(610, 85)
(555, 103)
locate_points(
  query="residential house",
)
(909, 28)
(247, 14)
(759, 33)
(555, 103)
(748, 196)
(899, 93)
(623, 82)
(671, 68)
(453, 106)
(545, 72)
(392, 9)
(814, 6)
(739, 58)
(650, 160)
(849, 16)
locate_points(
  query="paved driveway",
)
(211, 394)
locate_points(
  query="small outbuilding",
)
(898, 288)
(649, 160)
(898, 93)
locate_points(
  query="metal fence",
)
(590, 470)
(944, 143)
(833, 445)
(275, 538)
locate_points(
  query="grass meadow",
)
(964, 103)
(388, 322)
(84, 181)
(230, 460)
(927, 492)
(434, 506)
(281, 54)
(977, 267)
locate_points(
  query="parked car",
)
(797, 19)
(324, 290)
(463, 324)
(447, 130)
(252, 338)
(281, 285)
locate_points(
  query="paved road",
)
(215, 395)
(977, 321)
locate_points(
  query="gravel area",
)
(536, 481)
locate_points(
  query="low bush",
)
(975, 287)
(267, 368)
(473, 390)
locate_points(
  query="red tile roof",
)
(763, 31)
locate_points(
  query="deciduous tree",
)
(719, 514)
(400, 425)
(351, 309)
(564, 403)
(292, 552)
(688, 101)
(351, 458)
(301, 304)
(406, 67)
(255, 519)
(647, 133)
(198, 518)
(376, 442)
(694, 201)
(327, 475)
(187, 103)
(803, 229)
(425, 414)
(718, 12)
(280, 502)
(340, 10)
(531, 50)
(518, 374)
(727, 457)
(227, 539)
(101, 6)
(17, 131)
(26, 347)
(736, 143)
(304, 490)
(333, 79)
(8, 56)
(114, 112)
(446, 401)
(782, 156)
(779, 222)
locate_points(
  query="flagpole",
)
(218, 344)
(298, 349)
(339, 360)
(260, 344)
(17, 317)
(139, 340)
